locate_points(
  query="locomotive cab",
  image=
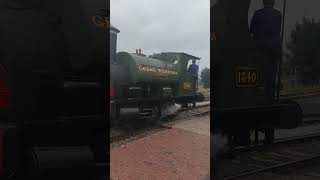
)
(184, 89)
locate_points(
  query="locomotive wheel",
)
(116, 120)
(231, 141)
(239, 138)
(269, 136)
(155, 121)
(184, 105)
(157, 111)
(244, 138)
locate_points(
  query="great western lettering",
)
(157, 70)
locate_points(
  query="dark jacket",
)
(193, 70)
(266, 28)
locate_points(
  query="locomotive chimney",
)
(113, 43)
(140, 51)
(137, 51)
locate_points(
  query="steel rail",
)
(291, 163)
(280, 165)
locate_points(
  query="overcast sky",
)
(184, 25)
(163, 26)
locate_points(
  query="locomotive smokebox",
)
(113, 43)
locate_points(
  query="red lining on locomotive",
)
(5, 104)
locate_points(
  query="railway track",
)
(310, 119)
(293, 96)
(193, 112)
(132, 130)
(282, 154)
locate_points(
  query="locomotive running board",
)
(286, 115)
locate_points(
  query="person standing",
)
(193, 71)
(265, 29)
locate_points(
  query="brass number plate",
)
(246, 77)
(187, 86)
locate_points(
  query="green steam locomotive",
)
(147, 85)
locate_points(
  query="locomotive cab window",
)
(176, 61)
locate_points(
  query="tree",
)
(205, 77)
(304, 50)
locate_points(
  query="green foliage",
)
(205, 77)
(304, 50)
